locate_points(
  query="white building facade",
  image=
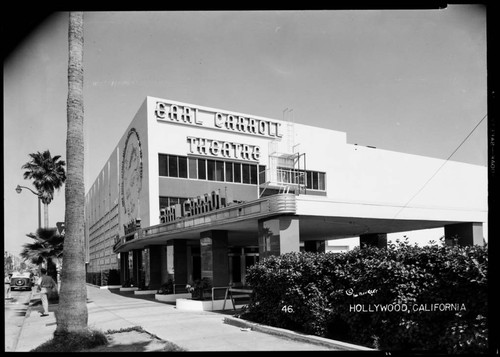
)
(192, 192)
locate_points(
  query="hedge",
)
(104, 277)
(434, 297)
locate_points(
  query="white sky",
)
(412, 81)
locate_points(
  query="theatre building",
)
(192, 192)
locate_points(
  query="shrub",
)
(94, 278)
(110, 277)
(129, 283)
(287, 293)
(331, 295)
(113, 277)
(104, 277)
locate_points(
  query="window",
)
(202, 169)
(172, 166)
(262, 174)
(219, 170)
(163, 202)
(315, 181)
(193, 174)
(229, 172)
(183, 166)
(169, 201)
(309, 179)
(163, 166)
(245, 169)
(237, 172)
(253, 174)
(211, 170)
(321, 181)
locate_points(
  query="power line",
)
(449, 157)
(440, 167)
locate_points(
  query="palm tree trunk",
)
(72, 314)
(45, 215)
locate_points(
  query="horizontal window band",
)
(207, 180)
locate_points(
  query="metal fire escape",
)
(286, 171)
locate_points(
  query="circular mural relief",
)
(131, 183)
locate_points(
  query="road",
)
(15, 311)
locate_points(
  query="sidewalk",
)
(191, 330)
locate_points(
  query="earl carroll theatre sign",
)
(221, 121)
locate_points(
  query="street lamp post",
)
(20, 188)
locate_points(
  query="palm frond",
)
(48, 244)
(47, 173)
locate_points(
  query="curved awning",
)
(191, 227)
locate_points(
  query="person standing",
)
(45, 285)
(7, 286)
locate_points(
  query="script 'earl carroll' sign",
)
(193, 207)
(217, 120)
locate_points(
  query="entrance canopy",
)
(319, 219)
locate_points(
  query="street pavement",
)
(191, 330)
(15, 309)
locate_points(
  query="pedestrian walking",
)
(6, 281)
(45, 286)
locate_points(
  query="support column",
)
(314, 246)
(177, 262)
(137, 266)
(214, 258)
(465, 234)
(180, 261)
(278, 236)
(154, 267)
(378, 240)
(124, 268)
(163, 264)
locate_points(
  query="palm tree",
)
(46, 250)
(72, 313)
(48, 175)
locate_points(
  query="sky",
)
(412, 81)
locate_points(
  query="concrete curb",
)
(104, 286)
(109, 287)
(294, 335)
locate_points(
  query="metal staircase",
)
(286, 168)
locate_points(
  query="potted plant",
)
(166, 288)
(200, 289)
(129, 283)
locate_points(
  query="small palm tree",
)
(48, 175)
(46, 250)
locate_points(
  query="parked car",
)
(21, 281)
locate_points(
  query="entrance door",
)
(250, 259)
(240, 259)
(196, 267)
(234, 268)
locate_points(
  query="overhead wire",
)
(440, 167)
